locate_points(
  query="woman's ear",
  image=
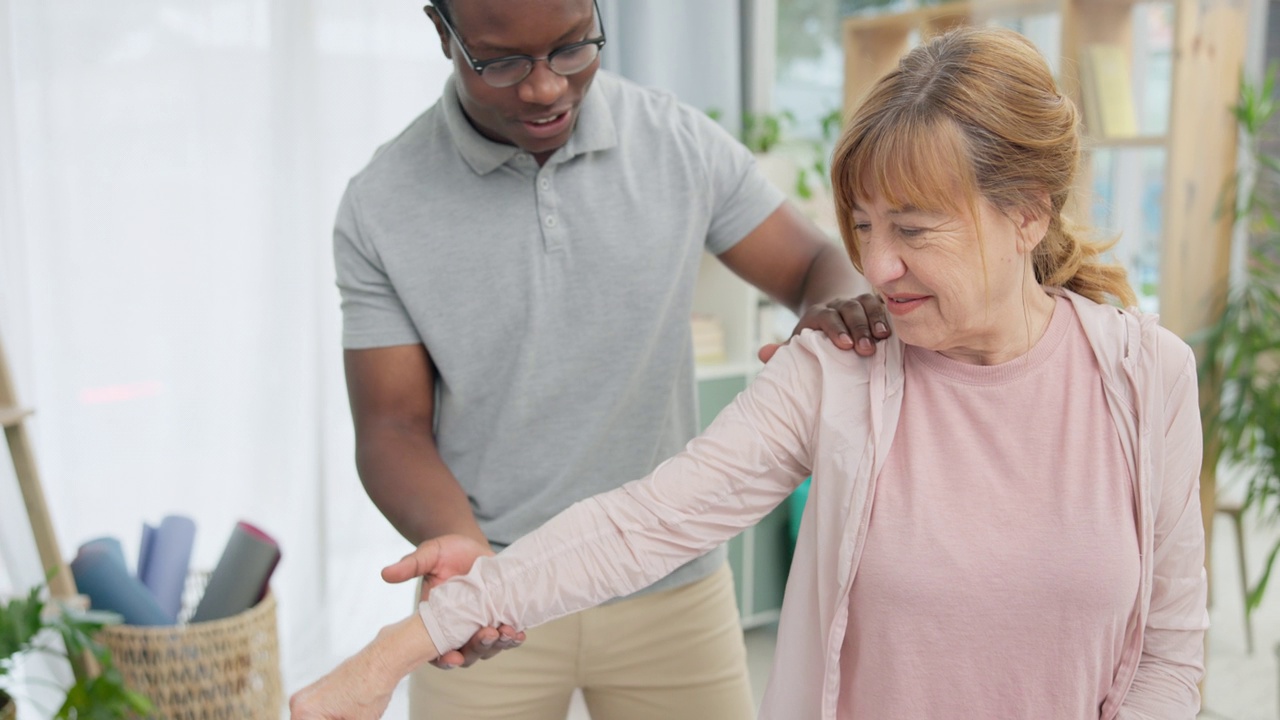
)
(1033, 223)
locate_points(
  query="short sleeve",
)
(373, 315)
(741, 196)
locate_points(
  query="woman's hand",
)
(360, 688)
(352, 691)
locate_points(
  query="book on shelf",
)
(708, 339)
(1107, 87)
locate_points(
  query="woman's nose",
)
(881, 263)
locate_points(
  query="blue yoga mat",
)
(101, 575)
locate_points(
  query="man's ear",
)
(445, 46)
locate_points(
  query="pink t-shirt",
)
(1001, 560)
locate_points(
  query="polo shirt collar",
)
(595, 131)
(482, 154)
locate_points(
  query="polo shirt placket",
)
(546, 201)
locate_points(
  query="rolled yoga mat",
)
(240, 578)
(164, 560)
(111, 545)
(101, 575)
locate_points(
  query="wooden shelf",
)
(1121, 143)
(11, 416)
(946, 13)
(724, 370)
(905, 20)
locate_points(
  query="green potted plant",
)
(30, 625)
(761, 132)
(819, 166)
(797, 166)
(1240, 354)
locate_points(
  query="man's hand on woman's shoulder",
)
(851, 323)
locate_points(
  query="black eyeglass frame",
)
(479, 66)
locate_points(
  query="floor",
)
(1239, 685)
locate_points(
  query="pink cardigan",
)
(815, 410)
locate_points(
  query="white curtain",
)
(169, 173)
(693, 49)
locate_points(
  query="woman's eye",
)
(862, 227)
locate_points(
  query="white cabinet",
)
(760, 556)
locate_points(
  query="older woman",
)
(1004, 519)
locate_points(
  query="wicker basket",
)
(225, 669)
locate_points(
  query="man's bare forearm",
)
(830, 276)
(413, 488)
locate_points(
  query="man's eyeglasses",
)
(511, 69)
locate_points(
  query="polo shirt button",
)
(521, 157)
(544, 183)
(551, 221)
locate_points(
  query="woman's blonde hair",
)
(971, 114)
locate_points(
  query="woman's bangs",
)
(912, 164)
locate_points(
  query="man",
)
(517, 271)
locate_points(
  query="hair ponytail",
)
(1064, 259)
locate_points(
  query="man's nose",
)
(543, 86)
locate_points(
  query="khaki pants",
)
(670, 655)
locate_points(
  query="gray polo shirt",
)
(554, 300)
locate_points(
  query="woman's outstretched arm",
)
(750, 460)
(361, 687)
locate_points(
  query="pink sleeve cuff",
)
(434, 629)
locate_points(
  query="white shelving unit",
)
(760, 556)
(735, 304)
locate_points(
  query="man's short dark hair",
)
(442, 7)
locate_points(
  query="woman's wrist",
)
(400, 648)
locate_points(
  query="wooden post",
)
(870, 52)
(12, 417)
(1209, 58)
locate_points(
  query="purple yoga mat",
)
(164, 559)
